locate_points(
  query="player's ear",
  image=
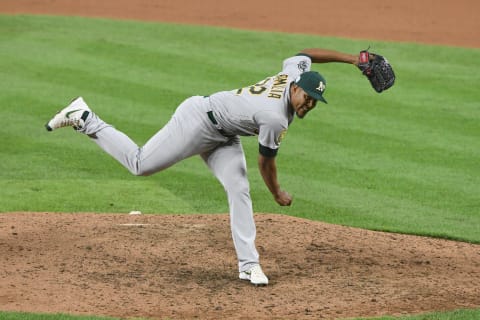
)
(295, 87)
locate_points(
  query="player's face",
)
(301, 102)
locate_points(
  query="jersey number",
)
(257, 88)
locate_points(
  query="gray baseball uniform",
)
(210, 127)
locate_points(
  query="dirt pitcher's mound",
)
(172, 266)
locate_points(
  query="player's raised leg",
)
(181, 137)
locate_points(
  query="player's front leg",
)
(228, 164)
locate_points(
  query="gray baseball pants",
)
(190, 132)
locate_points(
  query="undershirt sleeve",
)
(267, 152)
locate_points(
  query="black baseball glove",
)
(377, 70)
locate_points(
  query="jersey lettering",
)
(279, 84)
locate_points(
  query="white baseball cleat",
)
(73, 115)
(255, 275)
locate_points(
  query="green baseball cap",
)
(313, 83)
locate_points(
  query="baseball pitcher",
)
(210, 126)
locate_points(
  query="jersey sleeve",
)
(294, 66)
(271, 130)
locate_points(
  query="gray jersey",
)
(260, 109)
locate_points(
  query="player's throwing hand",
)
(283, 198)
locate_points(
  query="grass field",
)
(406, 160)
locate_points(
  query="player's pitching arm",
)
(319, 55)
(268, 170)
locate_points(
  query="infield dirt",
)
(184, 267)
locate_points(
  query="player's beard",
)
(303, 114)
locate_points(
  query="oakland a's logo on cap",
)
(321, 86)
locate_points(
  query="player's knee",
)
(140, 171)
(143, 173)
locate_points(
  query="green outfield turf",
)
(406, 160)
